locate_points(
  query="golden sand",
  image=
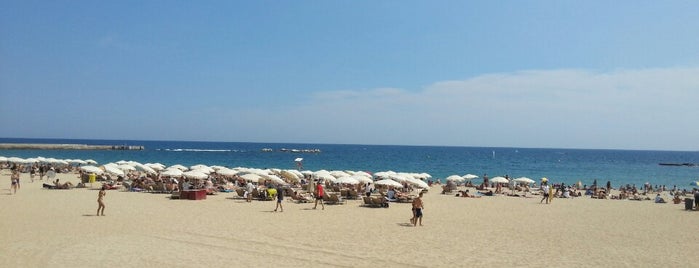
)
(57, 228)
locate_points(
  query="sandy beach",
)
(57, 228)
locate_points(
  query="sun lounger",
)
(369, 202)
(240, 192)
(299, 199)
(326, 198)
(380, 201)
(353, 194)
(335, 199)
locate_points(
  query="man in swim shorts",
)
(280, 198)
(319, 194)
(418, 206)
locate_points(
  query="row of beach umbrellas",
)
(469, 177)
(44, 160)
(200, 171)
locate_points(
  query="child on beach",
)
(100, 201)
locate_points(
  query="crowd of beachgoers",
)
(299, 184)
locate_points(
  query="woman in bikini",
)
(100, 201)
(15, 181)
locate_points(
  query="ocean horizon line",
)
(119, 141)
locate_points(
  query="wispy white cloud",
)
(634, 109)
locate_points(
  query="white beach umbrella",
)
(206, 171)
(113, 170)
(324, 175)
(144, 168)
(173, 172)
(339, 174)
(226, 172)
(383, 174)
(125, 167)
(195, 175)
(155, 166)
(417, 183)
(398, 177)
(178, 166)
(455, 178)
(216, 168)
(3, 159)
(425, 176)
(470, 176)
(288, 174)
(362, 173)
(91, 162)
(389, 182)
(251, 177)
(15, 159)
(200, 166)
(296, 172)
(78, 162)
(499, 180)
(275, 179)
(92, 169)
(362, 179)
(347, 180)
(524, 180)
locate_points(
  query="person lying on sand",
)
(299, 197)
(466, 194)
(659, 199)
(488, 193)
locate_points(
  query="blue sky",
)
(570, 74)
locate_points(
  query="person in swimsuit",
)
(418, 206)
(280, 198)
(100, 201)
(14, 178)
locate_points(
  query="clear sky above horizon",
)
(563, 74)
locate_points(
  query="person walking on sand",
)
(280, 198)
(14, 179)
(418, 206)
(100, 201)
(319, 195)
(545, 189)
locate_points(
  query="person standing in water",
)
(100, 201)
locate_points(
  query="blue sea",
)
(559, 165)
